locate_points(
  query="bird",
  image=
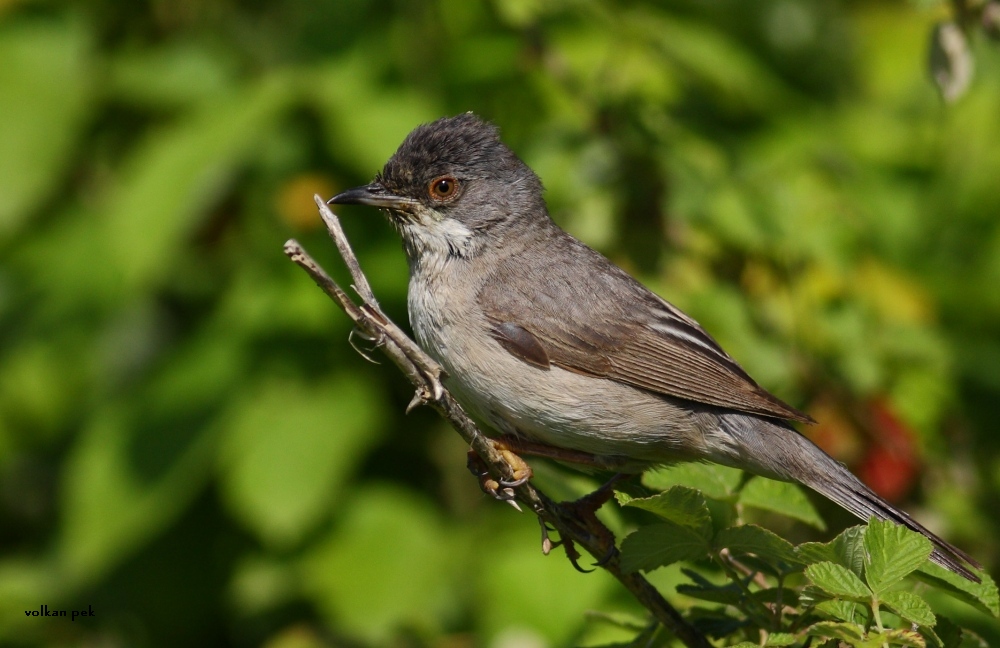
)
(545, 339)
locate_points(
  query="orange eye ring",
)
(443, 188)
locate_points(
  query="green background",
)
(188, 443)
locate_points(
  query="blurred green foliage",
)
(189, 444)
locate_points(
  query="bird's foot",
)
(502, 489)
(571, 551)
(582, 513)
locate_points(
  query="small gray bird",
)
(546, 339)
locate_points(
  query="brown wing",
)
(601, 322)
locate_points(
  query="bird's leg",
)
(521, 446)
(511, 447)
(583, 510)
(571, 552)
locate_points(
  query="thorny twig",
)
(426, 376)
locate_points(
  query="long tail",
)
(777, 450)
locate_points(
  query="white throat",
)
(432, 242)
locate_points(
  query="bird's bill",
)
(373, 195)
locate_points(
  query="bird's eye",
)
(443, 188)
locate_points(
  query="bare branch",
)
(332, 223)
(426, 375)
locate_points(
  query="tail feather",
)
(777, 450)
(852, 494)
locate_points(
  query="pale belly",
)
(552, 406)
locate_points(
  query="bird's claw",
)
(499, 490)
(421, 396)
(364, 353)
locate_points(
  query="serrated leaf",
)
(891, 553)
(750, 538)
(896, 637)
(838, 609)
(657, 545)
(744, 644)
(713, 480)
(780, 639)
(849, 632)
(910, 607)
(982, 595)
(846, 550)
(783, 498)
(838, 581)
(681, 505)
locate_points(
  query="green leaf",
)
(661, 544)
(623, 620)
(838, 609)
(715, 622)
(838, 581)
(125, 480)
(896, 637)
(752, 539)
(730, 593)
(846, 550)
(174, 175)
(363, 121)
(500, 561)
(713, 480)
(46, 90)
(780, 639)
(892, 552)
(780, 497)
(910, 607)
(777, 596)
(389, 562)
(982, 595)
(288, 448)
(849, 632)
(681, 505)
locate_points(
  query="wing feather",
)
(601, 322)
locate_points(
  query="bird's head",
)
(450, 186)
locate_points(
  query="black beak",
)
(374, 195)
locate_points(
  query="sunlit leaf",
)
(780, 497)
(387, 562)
(753, 539)
(712, 480)
(47, 92)
(681, 505)
(910, 607)
(892, 551)
(982, 595)
(838, 581)
(288, 448)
